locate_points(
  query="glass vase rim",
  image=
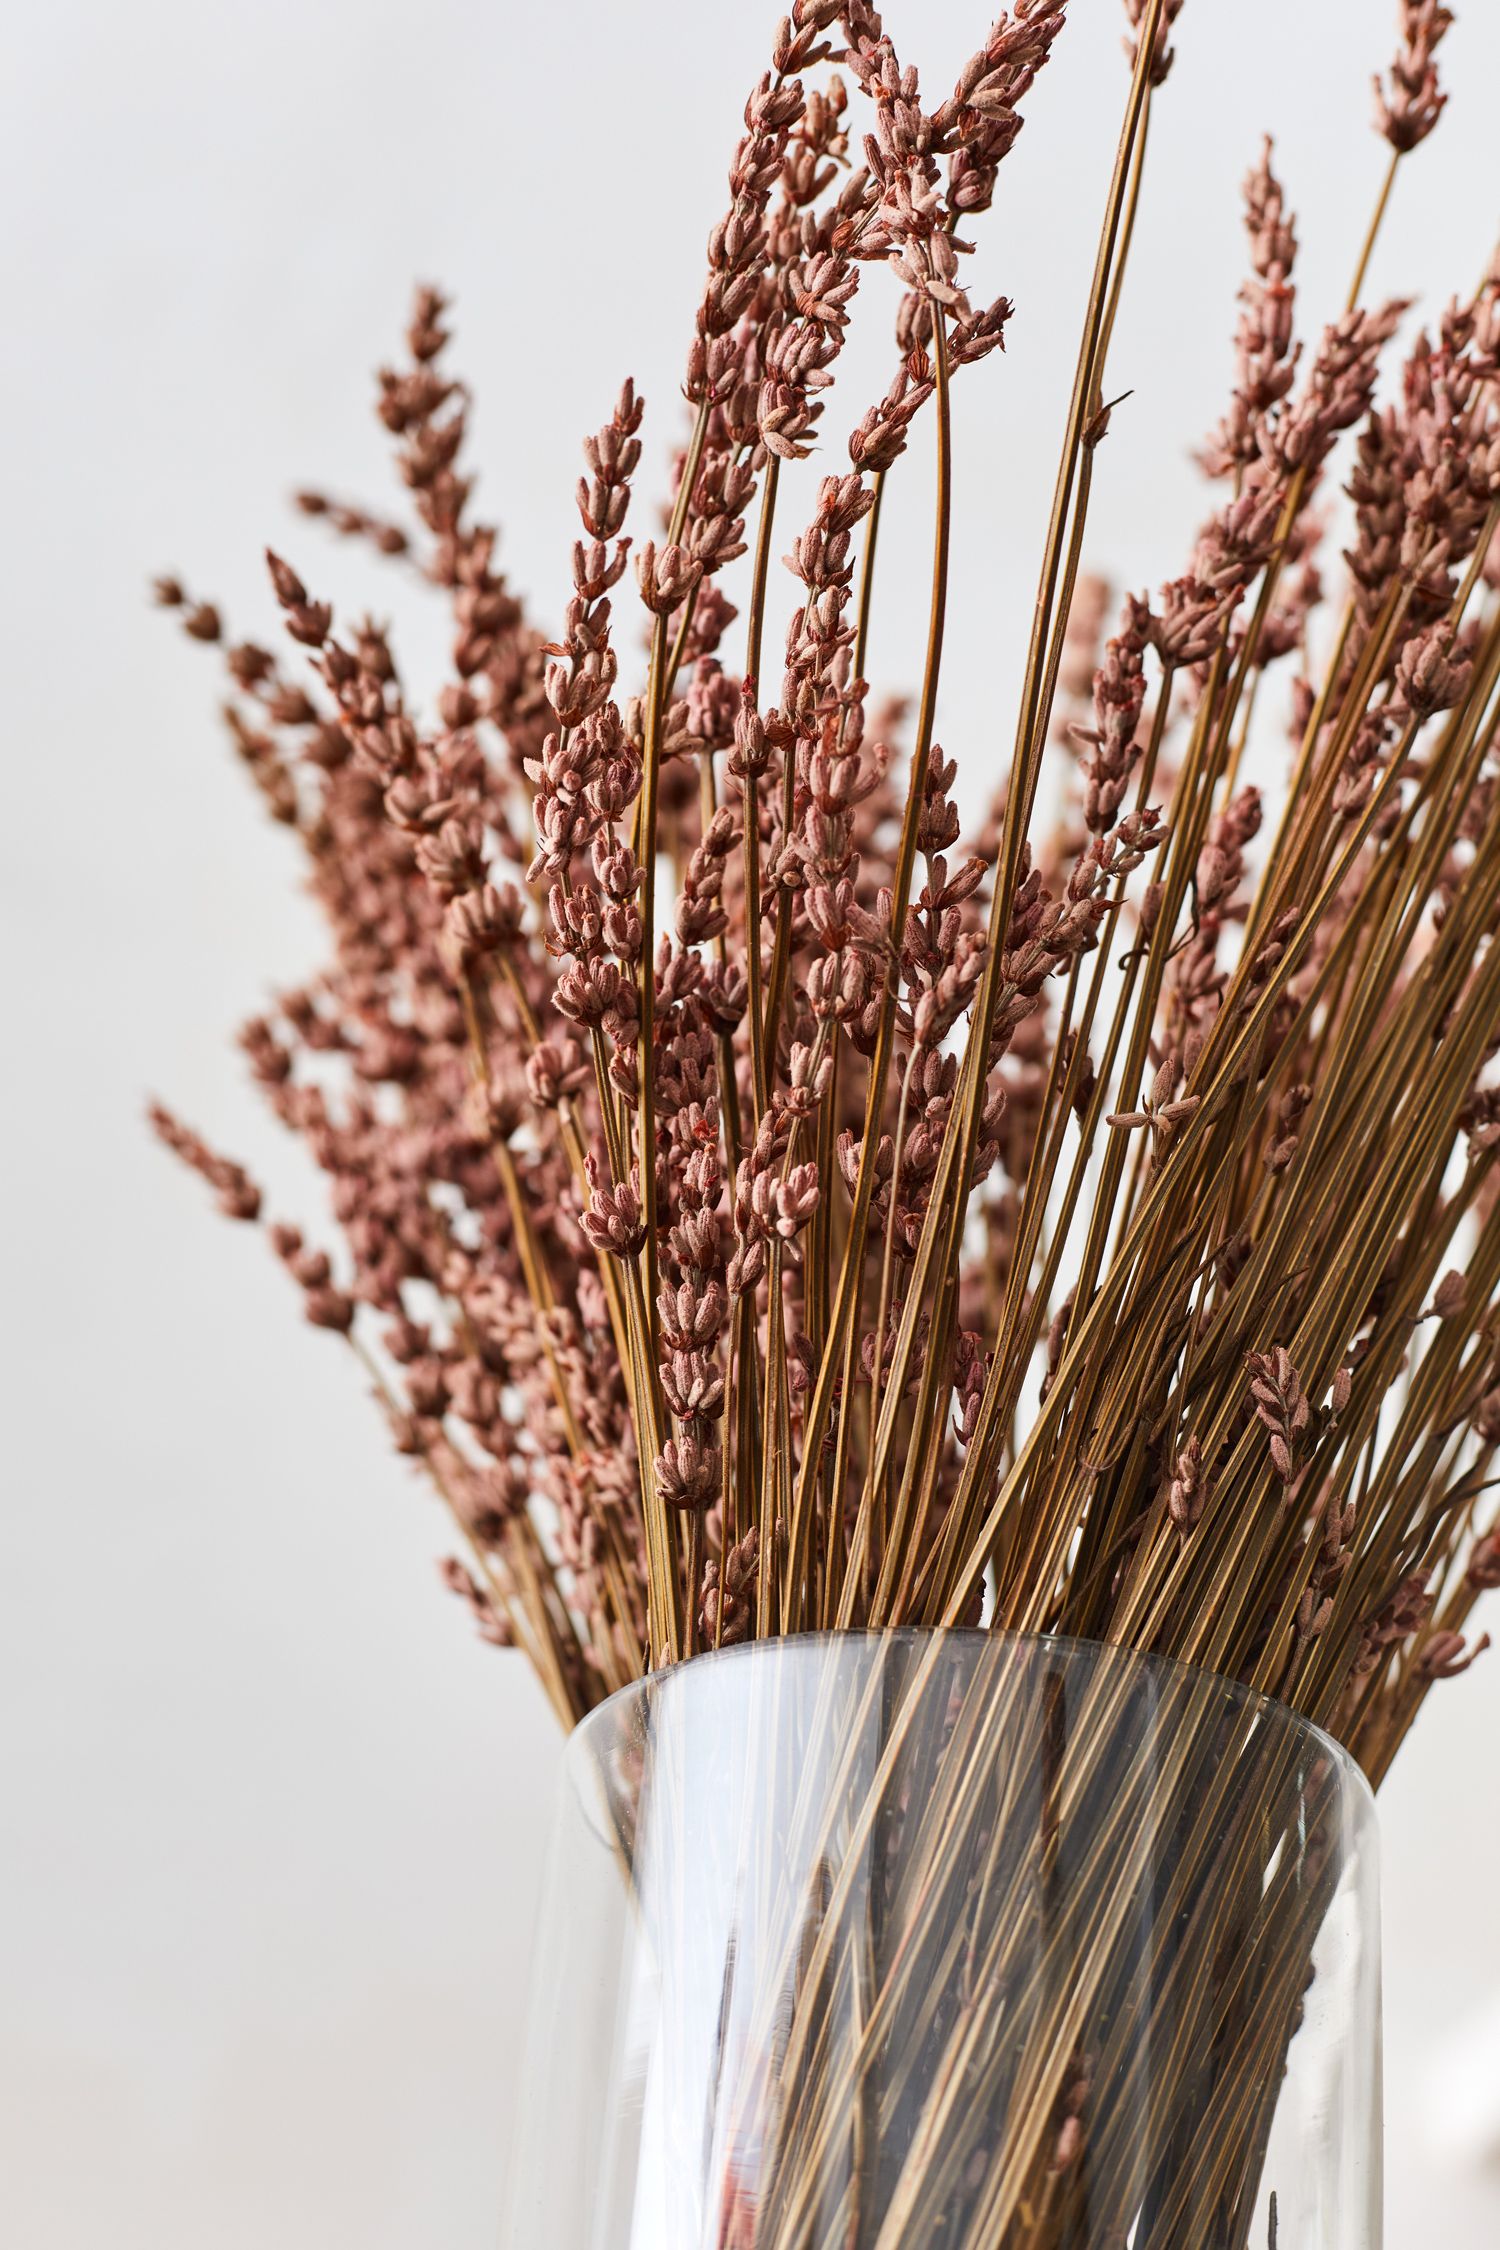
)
(1244, 1697)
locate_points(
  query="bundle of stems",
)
(759, 1216)
(761, 1213)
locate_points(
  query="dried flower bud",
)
(688, 1473)
(725, 1613)
(612, 1222)
(796, 1200)
(1483, 1569)
(1429, 676)
(1282, 1405)
(1162, 55)
(1445, 1656)
(329, 1308)
(667, 577)
(1407, 110)
(555, 1073)
(480, 922)
(1186, 1495)
(492, 1627)
(306, 621)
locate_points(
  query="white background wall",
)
(269, 1818)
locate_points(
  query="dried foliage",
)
(760, 1210)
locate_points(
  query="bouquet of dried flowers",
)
(762, 1210)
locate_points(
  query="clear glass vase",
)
(971, 1940)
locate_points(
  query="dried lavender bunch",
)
(760, 1210)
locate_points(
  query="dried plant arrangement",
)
(762, 1211)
